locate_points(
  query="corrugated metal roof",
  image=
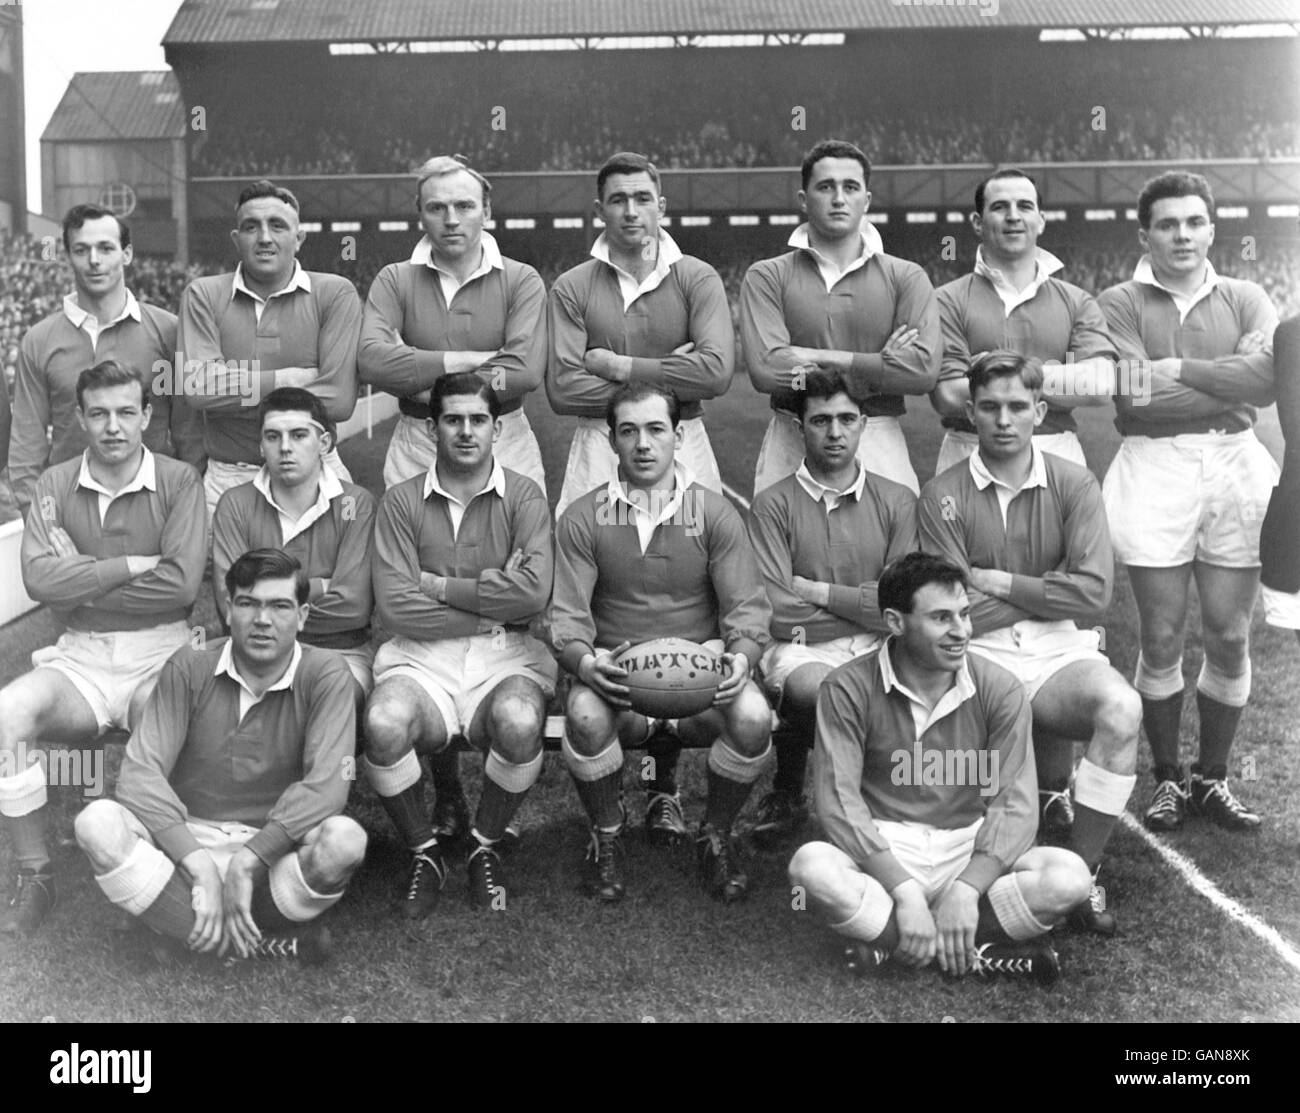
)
(248, 21)
(138, 105)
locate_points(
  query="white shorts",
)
(932, 855)
(360, 660)
(1034, 651)
(221, 477)
(411, 451)
(459, 673)
(1198, 496)
(592, 462)
(882, 451)
(780, 659)
(109, 668)
(1282, 609)
(959, 444)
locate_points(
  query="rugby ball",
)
(671, 678)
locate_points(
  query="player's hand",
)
(917, 935)
(319, 586)
(515, 562)
(1169, 369)
(63, 545)
(206, 899)
(237, 903)
(737, 665)
(434, 586)
(794, 378)
(139, 565)
(955, 917)
(811, 591)
(606, 365)
(599, 673)
(684, 349)
(902, 337)
(301, 377)
(991, 581)
(1251, 343)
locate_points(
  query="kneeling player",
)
(653, 554)
(463, 563)
(1030, 527)
(924, 780)
(237, 775)
(114, 545)
(821, 537)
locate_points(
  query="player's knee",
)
(1120, 713)
(1162, 643)
(387, 730)
(338, 849)
(816, 869)
(20, 712)
(515, 723)
(749, 722)
(101, 834)
(1064, 882)
(588, 721)
(1228, 646)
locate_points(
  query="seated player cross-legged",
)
(1030, 528)
(463, 563)
(227, 831)
(653, 554)
(924, 781)
(821, 537)
(114, 546)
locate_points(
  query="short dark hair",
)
(263, 187)
(1002, 363)
(822, 384)
(903, 578)
(79, 214)
(625, 162)
(299, 400)
(463, 382)
(999, 175)
(637, 392)
(267, 564)
(1173, 183)
(110, 372)
(833, 148)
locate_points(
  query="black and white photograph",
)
(651, 511)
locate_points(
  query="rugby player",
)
(821, 537)
(297, 504)
(463, 562)
(1012, 301)
(227, 832)
(637, 311)
(920, 867)
(114, 545)
(651, 554)
(1280, 535)
(839, 303)
(270, 324)
(456, 305)
(1188, 490)
(1029, 530)
(101, 319)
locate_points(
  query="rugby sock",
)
(172, 913)
(1099, 799)
(266, 913)
(1054, 757)
(505, 784)
(731, 779)
(793, 741)
(1161, 719)
(22, 804)
(400, 791)
(1004, 914)
(663, 747)
(599, 781)
(445, 768)
(27, 833)
(1220, 700)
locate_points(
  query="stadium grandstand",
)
(13, 160)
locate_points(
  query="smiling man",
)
(100, 320)
(114, 545)
(822, 537)
(1187, 492)
(638, 311)
(653, 554)
(1014, 301)
(456, 305)
(227, 832)
(297, 504)
(1029, 530)
(922, 868)
(837, 302)
(463, 564)
(271, 324)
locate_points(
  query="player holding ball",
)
(647, 555)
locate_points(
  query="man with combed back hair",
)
(113, 545)
(227, 832)
(924, 781)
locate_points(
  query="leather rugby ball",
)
(671, 678)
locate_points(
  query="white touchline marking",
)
(1199, 883)
(1184, 867)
